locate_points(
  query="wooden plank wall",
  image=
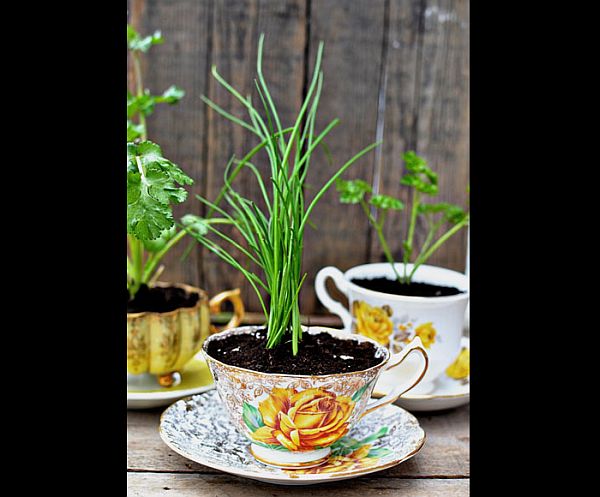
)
(396, 70)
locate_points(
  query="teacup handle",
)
(323, 295)
(415, 345)
(234, 297)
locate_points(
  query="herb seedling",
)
(153, 182)
(423, 181)
(273, 236)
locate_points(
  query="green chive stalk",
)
(273, 235)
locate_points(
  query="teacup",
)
(292, 420)
(161, 343)
(393, 320)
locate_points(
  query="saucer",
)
(447, 393)
(197, 428)
(144, 392)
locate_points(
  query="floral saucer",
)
(196, 428)
(144, 392)
(448, 392)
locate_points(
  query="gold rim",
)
(336, 332)
(378, 394)
(424, 396)
(188, 288)
(395, 398)
(286, 476)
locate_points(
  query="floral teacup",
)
(393, 320)
(162, 343)
(292, 420)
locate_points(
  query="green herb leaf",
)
(147, 218)
(171, 95)
(252, 417)
(452, 213)
(151, 189)
(352, 191)
(432, 208)
(161, 241)
(455, 214)
(134, 130)
(414, 163)
(143, 104)
(422, 178)
(137, 43)
(195, 224)
(386, 202)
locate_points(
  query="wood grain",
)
(445, 453)
(353, 36)
(426, 110)
(398, 118)
(443, 111)
(183, 485)
(397, 70)
(179, 129)
(237, 26)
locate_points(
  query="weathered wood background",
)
(396, 70)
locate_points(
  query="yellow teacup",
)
(161, 343)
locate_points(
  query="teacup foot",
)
(169, 379)
(290, 460)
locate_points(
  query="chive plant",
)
(423, 181)
(273, 235)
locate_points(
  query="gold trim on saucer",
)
(321, 477)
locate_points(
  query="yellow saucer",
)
(144, 392)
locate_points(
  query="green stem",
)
(236, 171)
(411, 232)
(137, 260)
(137, 69)
(129, 269)
(379, 230)
(439, 242)
(152, 263)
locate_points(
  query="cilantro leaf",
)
(134, 130)
(171, 95)
(352, 191)
(386, 202)
(137, 43)
(151, 190)
(140, 104)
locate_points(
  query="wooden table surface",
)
(441, 468)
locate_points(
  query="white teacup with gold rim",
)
(292, 420)
(393, 320)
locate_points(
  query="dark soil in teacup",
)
(318, 354)
(160, 299)
(414, 289)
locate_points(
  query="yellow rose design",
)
(426, 332)
(459, 369)
(373, 322)
(303, 420)
(353, 461)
